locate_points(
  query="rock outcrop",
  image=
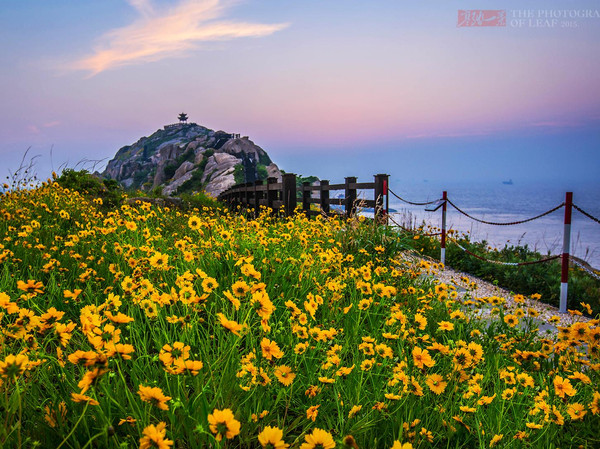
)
(188, 158)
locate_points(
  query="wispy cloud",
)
(160, 34)
(37, 129)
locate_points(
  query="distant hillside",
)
(185, 158)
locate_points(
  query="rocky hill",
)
(184, 158)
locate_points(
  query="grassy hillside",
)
(141, 326)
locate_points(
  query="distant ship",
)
(508, 183)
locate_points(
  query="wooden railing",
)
(286, 196)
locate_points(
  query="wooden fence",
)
(286, 196)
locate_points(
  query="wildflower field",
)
(140, 326)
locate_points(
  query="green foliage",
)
(363, 237)
(238, 174)
(201, 201)
(264, 159)
(192, 184)
(361, 335)
(261, 171)
(91, 186)
(139, 178)
(170, 170)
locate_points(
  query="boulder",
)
(274, 172)
(221, 183)
(173, 186)
(218, 164)
(183, 169)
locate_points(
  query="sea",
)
(505, 202)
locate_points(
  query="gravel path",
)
(465, 283)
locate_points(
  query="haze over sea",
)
(497, 202)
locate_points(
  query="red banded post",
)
(564, 276)
(443, 244)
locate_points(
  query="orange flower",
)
(233, 326)
(270, 349)
(76, 397)
(31, 286)
(422, 358)
(312, 412)
(576, 411)
(13, 366)
(223, 424)
(155, 396)
(154, 436)
(436, 383)
(272, 438)
(318, 439)
(445, 326)
(284, 375)
(563, 387)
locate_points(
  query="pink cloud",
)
(158, 35)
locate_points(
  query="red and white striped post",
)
(564, 276)
(443, 244)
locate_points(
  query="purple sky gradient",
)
(336, 78)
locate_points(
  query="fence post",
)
(247, 187)
(350, 196)
(306, 194)
(443, 243)
(381, 187)
(271, 193)
(257, 197)
(288, 188)
(324, 191)
(564, 276)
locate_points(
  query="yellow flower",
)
(422, 358)
(563, 387)
(354, 410)
(13, 366)
(495, 440)
(270, 349)
(399, 445)
(576, 411)
(154, 396)
(272, 438)
(154, 436)
(223, 424)
(194, 223)
(76, 397)
(284, 375)
(312, 412)
(231, 325)
(240, 288)
(52, 417)
(209, 284)
(436, 383)
(159, 260)
(511, 320)
(445, 326)
(31, 286)
(320, 439)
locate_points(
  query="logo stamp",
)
(481, 18)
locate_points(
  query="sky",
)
(331, 88)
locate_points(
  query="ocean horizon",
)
(503, 203)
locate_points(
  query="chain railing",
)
(412, 202)
(510, 223)
(565, 256)
(575, 206)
